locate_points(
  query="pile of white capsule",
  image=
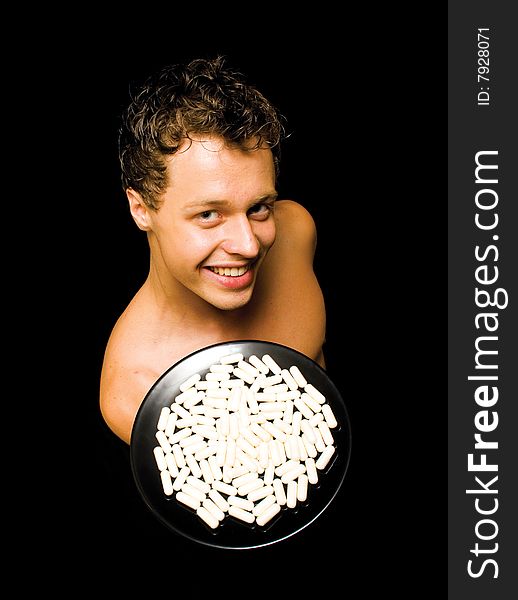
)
(245, 440)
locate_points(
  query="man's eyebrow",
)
(222, 202)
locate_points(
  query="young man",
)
(199, 151)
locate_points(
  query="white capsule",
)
(187, 422)
(319, 443)
(259, 418)
(311, 403)
(329, 416)
(188, 441)
(206, 471)
(274, 431)
(235, 399)
(290, 395)
(206, 431)
(292, 474)
(295, 422)
(244, 416)
(162, 419)
(269, 473)
(240, 502)
(218, 500)
(221, 368)
(308, 431)
(228, 473)
(302, 487)
(251, 402)
(188, 383)
(180, 411)
(214, 509)
(198, 484)
(283, 426)
(260, 432)
(221, 451)
(271, 364)
(311, 470)
(258, 364)
(205, 452)
(170, 425)
(314, 393)
(260, 493)
(207, 516)
(311, 451)
(180, 435)
(160, 458)
(272, 415)
(163, 441)
(217, 376)
(196, 399)
(303, 408)
(233, 423)
(224, 487)
(171, 464)
(167, 484)
(217, 473)
(180, 480)
(244, 490)
(184, 498)
(292, 447)
(263, 397)
(178, 456)
(323, 460)
(241, 514)
(193, 465)
(240, 374)
(244, 479)
(291, 494)
(181, 398)
(264, 455)
(285, 467)
(230, 455)
(265, 503)
(207, 385)
(297, 376)
(250, 463)
(231, 358)
(270, 407)
(197, 410)
(192, 491)
(215, 402)
(314, 421)
(327, 436)
(248, 368)
(280, 388)
(215, 413)
(303, 454)
(258, 384)
(268, 514)
(288, 379)
(280, 494)
(232, 383)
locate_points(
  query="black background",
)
(365, 132)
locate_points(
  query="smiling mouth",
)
(230, 271)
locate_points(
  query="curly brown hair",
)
(201, 97)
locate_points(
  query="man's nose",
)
(240, 238)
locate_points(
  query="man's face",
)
(215, 224)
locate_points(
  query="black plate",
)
(232, 533)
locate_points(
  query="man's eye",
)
(208, 215)
(260, 210)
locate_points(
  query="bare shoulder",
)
(125, 377)
(296, 232)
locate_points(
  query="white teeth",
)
(230, 272)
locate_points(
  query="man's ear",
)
(138, 209)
